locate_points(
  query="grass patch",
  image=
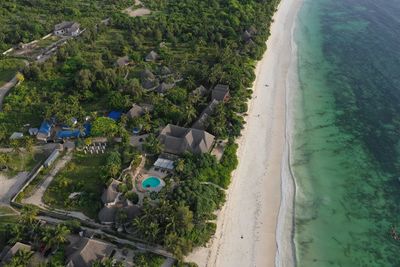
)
(4, 210)
(8, 68)
(4, 221)
(7, 220)
(22, 161)
(82, 174)
(43, 43)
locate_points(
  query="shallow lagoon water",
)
(347, 133)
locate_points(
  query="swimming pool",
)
(151, 182)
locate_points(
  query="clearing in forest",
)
(139, 12)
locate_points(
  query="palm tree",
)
(146, 127)
(148, 230)
(152, 145)
(140, 225)
(35, 231)
(152, 231)
(15, 146)
(3, 132)
(190, 114)
(190, 82)
(28, 144)
(146, 117)
(146, 122)
(4, 160)
(17, 233)
(216, 73)
(48, 238)
(61, 233)
(55, 236)
(21, 258)
(135, 88)
(97, 263)
(194, 98)
(180, 165)
(28, 215)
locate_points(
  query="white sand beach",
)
(247, 224)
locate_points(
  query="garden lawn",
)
(82, 174)
(5, 210)
(23, 161)
(8, 69)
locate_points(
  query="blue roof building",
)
(68, 134)
(44, 131)
(115, 115)
(88, 129)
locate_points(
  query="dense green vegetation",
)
(29, 230)
(48, 240)
(41, 16)
(148, 260)
(185, 219)
(8, 68)
(82, 77)
(206, 168)
(201, 42)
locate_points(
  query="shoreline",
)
(253, 228)
(286, 247)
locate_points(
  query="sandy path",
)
(246, 228)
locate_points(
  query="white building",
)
(67, 28)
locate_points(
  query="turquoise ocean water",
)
(347, 135)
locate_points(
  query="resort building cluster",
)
(129, 190)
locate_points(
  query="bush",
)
(148, 260)
(129, 184)
(104, 126)
(113, 165)
(123, 188)
(185, 264)
(153, 195)
(73, 225)
(132, 196)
